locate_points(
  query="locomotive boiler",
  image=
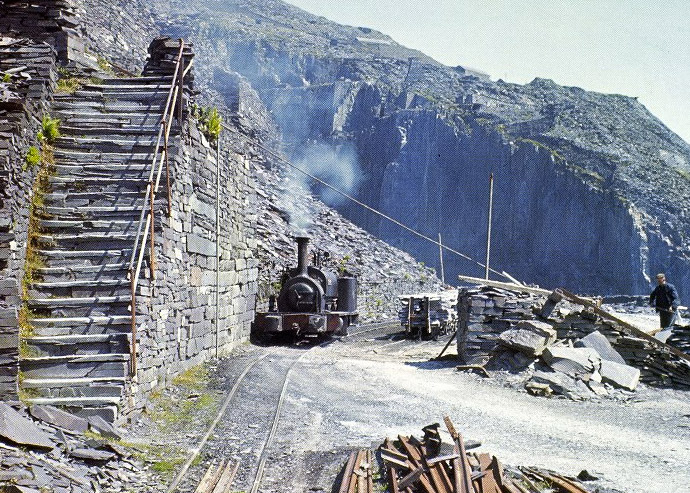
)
(312, 301)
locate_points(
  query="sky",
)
(631, 47)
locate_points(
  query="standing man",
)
(665, 299)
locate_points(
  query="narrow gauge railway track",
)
(256, 365)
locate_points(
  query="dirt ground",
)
(353, 392)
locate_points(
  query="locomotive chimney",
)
(302, 254)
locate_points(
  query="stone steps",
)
(111, 324)
(78, 345)
(80, 288)
(86, 272)
(77, 355)
(75, 366)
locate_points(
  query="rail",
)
(145, 227)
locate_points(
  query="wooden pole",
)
(488, 229)
(440, 255)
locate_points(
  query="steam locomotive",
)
(312, 301)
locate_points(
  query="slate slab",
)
(562, 384)
(620, 375)
(58, 417)
(598, 341)
(572, 361)
(529, 336)
(91, 454)
(99, 425)
(22, 431)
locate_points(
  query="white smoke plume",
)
(335, 164)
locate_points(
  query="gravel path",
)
(344, 396)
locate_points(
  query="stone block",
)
(58, 417)
(200, 245)
(619, 375)
(572, 361)
(597, 341)
(530, 337)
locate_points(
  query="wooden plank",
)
(505, 285)
(210, 479)
(627, 327)
(225, 482)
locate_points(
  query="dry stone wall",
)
(181, 330)
(27, 77)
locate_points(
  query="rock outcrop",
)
(591, 189)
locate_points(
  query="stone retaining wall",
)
(27, 78)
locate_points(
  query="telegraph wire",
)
(368, 207)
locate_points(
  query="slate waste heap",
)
(46, 449)
(569, 349)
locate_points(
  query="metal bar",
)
(152, 254)
(440, 256)
(133, 311)
(181, 84)
(370, 474)
(167, 175)
(462, 472)
(217, 242)
(347, 473)
(488, 229)
(392, 475)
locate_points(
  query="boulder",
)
(620, 375)
(572, 361)
(528, 336)
(598, 341)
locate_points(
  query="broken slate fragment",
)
(57, 417)
(101, 426)
(22, 431)
(572, 361)
(562, 384)
(598, 341)
(528, 336)
(91, 454)
(620, 375)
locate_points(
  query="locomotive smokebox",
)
(302, 254)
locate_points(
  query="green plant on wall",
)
(210, 121)
(6, 78)
(50, 129)
(33, 157)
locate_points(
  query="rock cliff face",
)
(592, 191)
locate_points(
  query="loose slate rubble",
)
(51, 453)
(429, 465)
(572, 351)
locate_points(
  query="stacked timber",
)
(428, 314)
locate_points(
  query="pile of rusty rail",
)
(427, 465)
(218, 478)
(358, 476)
